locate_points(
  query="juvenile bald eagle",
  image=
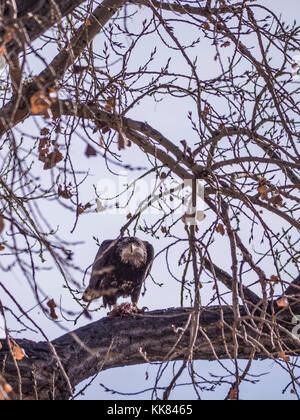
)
(120, 269)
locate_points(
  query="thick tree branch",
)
(36, 17)
(115, 342)
(10, 114)
(226, 279)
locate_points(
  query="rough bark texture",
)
(115, 342)
(36, 17)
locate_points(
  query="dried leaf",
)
(80, 210)
(9, 34)
(7, 388)
(2, 50)
(41, 102)
(283, 356)
(225, 44)
(121, 142)
(274, 278)
(52, 305)
(276, 200)
(206, 26)
(2, 247)
(101, 142)
(282, 302)
(1, 223)
(110, 104)
(52, 159)
(90, 151)
(53, 95)
(220, 229)
(18, 352)
(44, 131)
(64, 193)
(88, 22)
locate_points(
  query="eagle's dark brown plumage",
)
(120, 269)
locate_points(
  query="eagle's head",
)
(132, 251)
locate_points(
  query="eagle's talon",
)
(121, 310)
(137, 310)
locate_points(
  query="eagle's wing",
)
(150, 257)
(100, 266)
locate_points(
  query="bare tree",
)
(78, 72)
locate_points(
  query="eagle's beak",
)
(133, 247)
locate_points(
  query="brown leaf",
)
(225, 44)
(274, 278)
(44, 131)
(52, 305)
(283, 356)
(110, 104)
(121, 142)
(44, 145)
(42, 101)
(18, 352)
(7, 388)
(220, 229)
(52, 159)
(263, 192)
(90, 151)
(9, 34)
(80, 210)
(282, 302)
(1, 223)
(276, 200)
(64, 193)
(101, 142)
(206, 26)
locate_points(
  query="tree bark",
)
(124, 341)
(36, 16)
